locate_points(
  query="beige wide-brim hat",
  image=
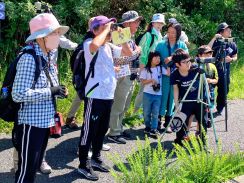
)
(44, 24)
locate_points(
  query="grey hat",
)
(173, 21)
(130, 16)
(223, 26)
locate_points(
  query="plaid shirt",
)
(37, 107)
(128, 60)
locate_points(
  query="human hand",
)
(167, 60)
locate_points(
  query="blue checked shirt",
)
(37, 108)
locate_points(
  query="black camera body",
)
(133, 76)
(156, 87)
(205, 60)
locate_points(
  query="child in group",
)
(151, 79)
(205, 51)
(181, 79)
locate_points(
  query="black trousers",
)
(190, 108)
(31, 145)
(94, 128)
(221, 89)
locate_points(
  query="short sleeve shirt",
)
(183, 83)
(156, 75)
(104, 74)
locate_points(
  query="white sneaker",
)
(45, 168)
(90, 154)
(105, 147)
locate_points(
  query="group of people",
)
(162, 64)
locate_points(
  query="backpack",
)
(8, 108)
(138, 39)
(78, 67)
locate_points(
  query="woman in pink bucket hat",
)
(36, 114)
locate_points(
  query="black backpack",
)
(138, 39)
(9, 108)
(78, 67)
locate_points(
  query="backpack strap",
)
(152, 41)
(92, 66)
(91, 71)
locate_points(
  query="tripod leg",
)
(210, 108)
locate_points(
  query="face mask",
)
(52, 41)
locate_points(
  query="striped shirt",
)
(37, 107)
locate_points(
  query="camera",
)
(200, 60)
(133, 76)
(170, 64)
(156, 87)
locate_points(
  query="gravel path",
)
(61, 153)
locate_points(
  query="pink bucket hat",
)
(44, 24)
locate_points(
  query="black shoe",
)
(179, 142)
(155, 133)
(209, 124)
(99, 165)
(159, 125)
(126, 135)
(216, 114)
(147, 130)
(117, 139)
(88, 173)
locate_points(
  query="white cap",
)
(158, 17)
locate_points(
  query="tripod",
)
(200, 99)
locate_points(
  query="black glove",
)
(58, 90)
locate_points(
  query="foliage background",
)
(199, 18)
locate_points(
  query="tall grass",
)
(193, 163)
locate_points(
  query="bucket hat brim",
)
(133, 19)
(45, 32)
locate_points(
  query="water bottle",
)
(4, 93)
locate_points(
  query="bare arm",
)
(100, 39)
(210, 44)
(126, 50)
(176, 95)
(147, 81)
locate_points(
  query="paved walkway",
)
(61, 153)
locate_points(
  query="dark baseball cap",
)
(223, 26)
(204, 49)
(100, 20)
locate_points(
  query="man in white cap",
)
(125, 84)
(37, 111)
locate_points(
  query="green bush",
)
(194, 163)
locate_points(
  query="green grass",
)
(237, 75)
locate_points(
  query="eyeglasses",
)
(185, 61)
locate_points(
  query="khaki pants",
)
(121, 102)
(139, 97)
(74, 107)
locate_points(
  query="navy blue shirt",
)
(231, 50)
(183, 83)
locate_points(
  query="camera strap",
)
(45, 69)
